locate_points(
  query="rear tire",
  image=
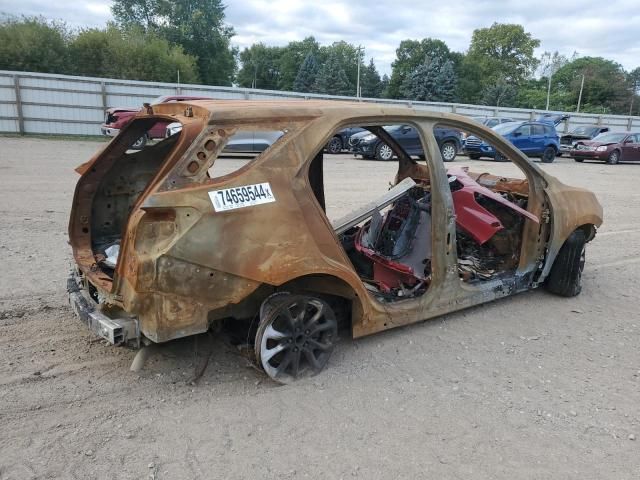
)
(549, 155)
(614, 158)
(579, 160)
(384, 152)
(565, 278)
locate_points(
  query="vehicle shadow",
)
(210, 359)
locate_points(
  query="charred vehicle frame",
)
(257, 244)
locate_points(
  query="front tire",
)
(384, 152)
(549, 155)
(448, 151)
(565, 278)
(474, 156)
(334, 145)
(579, 160)
(614, 158)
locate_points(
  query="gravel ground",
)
(534, 386)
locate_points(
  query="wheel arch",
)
(589, 229)
(327, 285)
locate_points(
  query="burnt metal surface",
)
(182, 264)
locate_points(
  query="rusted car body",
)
(187, 261)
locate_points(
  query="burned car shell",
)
(182, 265)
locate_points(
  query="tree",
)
(260, 67)
(504, 51)
(346, 56)
(307, 74)
(384, 86)
(197, 25)
(409, 55)
(500, 55)
(130, 54)
(370, 83)
(293, 55)
(500, 93)
(332, 78)
(433, 80)
(33, 44)
(605, 85)
(634, 86)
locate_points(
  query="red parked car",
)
(117, 117)
(610, 147)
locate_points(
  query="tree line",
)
(189, 41)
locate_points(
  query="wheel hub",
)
(295, 337)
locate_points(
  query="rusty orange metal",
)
(182, 265)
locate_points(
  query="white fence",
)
(61, 104)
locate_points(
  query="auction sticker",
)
(240, 197)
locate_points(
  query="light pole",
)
(580, 96)
(358, 78)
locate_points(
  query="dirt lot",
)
(534, 386)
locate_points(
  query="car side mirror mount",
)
(517, 134)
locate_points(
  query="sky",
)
(609, 29)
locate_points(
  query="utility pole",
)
(580, 96)
(358, 79)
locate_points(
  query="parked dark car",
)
(583, 132)
(117, 117)
(340, 141)
(370, 146)
(609, 147)
(535, 139)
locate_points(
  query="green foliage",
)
(384, 86)
(409, 55)
(433, 80)
(291, 60)
(332, 79)
(196, 25)
(260, 67)
(606, 88)
(33, 44)
(307, 75)
(500, 93)
(346, 56)
(504, 51)
(370, 83)
(501, 58)
(131, 54)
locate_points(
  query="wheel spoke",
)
(315, 345)
(295, 367)
(316, 316)
(268, 354)
(312, 359)
(289, 317)
(273, 334)
(286, 361)
(321, 327)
